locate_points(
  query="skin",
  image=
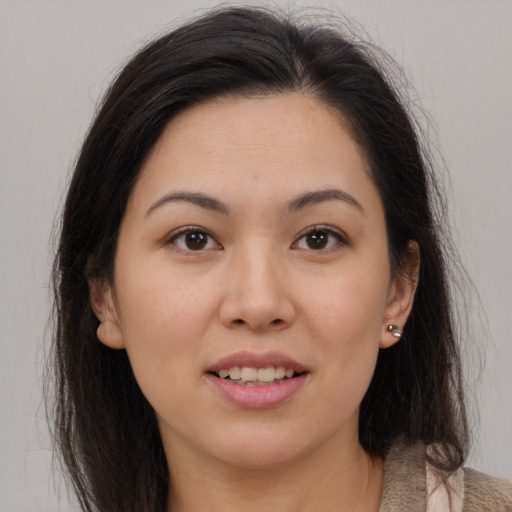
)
(257, 285)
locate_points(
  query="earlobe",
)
(103, 305)
(401, 297)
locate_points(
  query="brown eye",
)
(193, 240)
(196, 241)
(318, 239)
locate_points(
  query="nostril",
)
(276, 322)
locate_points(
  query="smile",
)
(257, 381)
(249, 376)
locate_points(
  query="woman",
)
(253, 308)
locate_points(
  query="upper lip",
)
(253, 360)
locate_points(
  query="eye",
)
(320, 238)
(193, 239)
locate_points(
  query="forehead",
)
(265, 147)
(260, 123)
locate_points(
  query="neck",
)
(347, 479)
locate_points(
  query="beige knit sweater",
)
(405, 485)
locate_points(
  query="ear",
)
(103, 304)
(401, 294)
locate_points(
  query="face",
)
(252, 285)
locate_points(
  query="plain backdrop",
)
(57, 57)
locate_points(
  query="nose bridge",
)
(259, 274)
(257, 296)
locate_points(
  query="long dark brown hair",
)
(104, 428)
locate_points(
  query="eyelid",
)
(174, 235)
(177, 233)
(342, 238)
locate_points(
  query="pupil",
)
(317, 239)
(196, 240)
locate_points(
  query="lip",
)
(257, 397)
(253, 360)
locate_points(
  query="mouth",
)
(257, 381)
(252, 376)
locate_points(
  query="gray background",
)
(56, 57)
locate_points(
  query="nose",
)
(257, 294)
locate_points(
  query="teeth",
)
(235, 373)
(255, 376)
(266, 374)
(250, 374)
(280, 372)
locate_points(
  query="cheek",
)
(345, 317)
(164, 318)
(348, 307)
(156, 298)
(163, 326)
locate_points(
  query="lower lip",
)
(257, 397)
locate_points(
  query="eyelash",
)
(188, 230)
(326, 230)
(330, 232)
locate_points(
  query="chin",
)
(256, 457)
(263, 448)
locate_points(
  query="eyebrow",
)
(210, 203)
(202, 200)
(320, 196)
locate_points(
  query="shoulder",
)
(405, 485)
(484, 493)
